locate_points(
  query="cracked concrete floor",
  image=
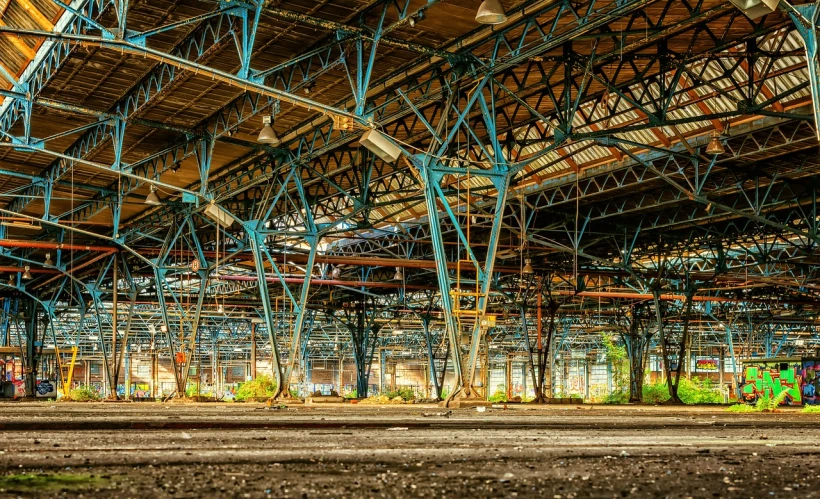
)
(245, 450)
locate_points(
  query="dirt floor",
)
(246, 450)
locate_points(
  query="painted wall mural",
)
(799, 378)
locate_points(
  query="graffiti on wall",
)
(810, 389)
(769, 378)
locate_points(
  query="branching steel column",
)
(257, 242)
(805, 19)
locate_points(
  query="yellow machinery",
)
(66, 370)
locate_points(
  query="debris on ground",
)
(445, 414)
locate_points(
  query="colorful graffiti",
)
(810, 388)
(768, 378)
(706, 365)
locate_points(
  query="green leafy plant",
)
(690, 391)
(262, 387)
(83, 393)
(616, 397)
(811, 409)
(354, 394)
(499, 396)
(742, 408)
(770, 404)
(696, 391)
(617, 358)
(655, 393)
(406, 393)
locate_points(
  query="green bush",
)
(742, 408)
(695, 391)
(84, 393)
(617, 358)
(261, 387)
(811, 409)
(655, 393)
(616, 397)
(770, 404)
(499, 396)
(352, 394)
(690, 391)
(405, 393)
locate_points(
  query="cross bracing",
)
(564, 154)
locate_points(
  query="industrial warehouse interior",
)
(409, 248)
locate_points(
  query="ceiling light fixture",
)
(756, 8)
(12, 281)
(336, 273)
(528, 267)
(491, 12)
(152, 197)
(715, 146)
(268, 135)
(398, 276)
(48, 262)
(381, 145)
(27, 274)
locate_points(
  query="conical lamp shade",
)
(715, 147)
(491, 12)
(268, 136)
(152, 198)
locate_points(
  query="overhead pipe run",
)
(14, 243)
(328, 282)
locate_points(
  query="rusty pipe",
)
(327, 282)
(15, 243)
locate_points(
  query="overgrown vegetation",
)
(770, 404)
(742, 408)
(691, 391)
(499, 396)
(811, 409)
(617, 358)
(618, 397)
(83, 393)
(404, 395)
(48, 482)
(765, 404)
(262, 387)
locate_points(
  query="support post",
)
(508, 378)
(114, 316)
(127, 372)
(805, 19)
(253, 351)
(32, 359)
